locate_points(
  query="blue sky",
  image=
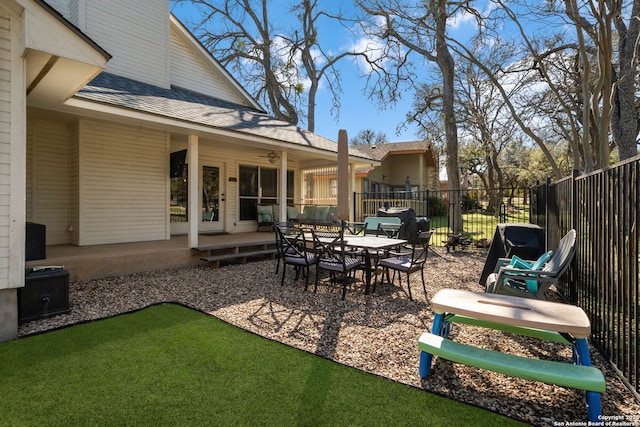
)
(357, 112)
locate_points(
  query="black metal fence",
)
(603, 208)
(480, 212)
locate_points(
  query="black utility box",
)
(409, 227)
(524, 240)
(45, 294)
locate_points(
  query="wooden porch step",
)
(226, 246)
(236, 254)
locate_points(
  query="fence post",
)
(547, 184)
(354, 201)
(426, 203)
(573, 287)
(574, 199)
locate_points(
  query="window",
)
(290, 187)
(210, 193)
(259, 185)
(178, 203)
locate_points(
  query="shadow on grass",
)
(170, 365)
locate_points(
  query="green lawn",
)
(170, 365)
(477, 224)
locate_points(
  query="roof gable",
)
(192, 67)
(383, 151)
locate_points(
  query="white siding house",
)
(95, 95)
(122, 190)
(135, 34)
(7, 27)
(43, 61)
(192, 69)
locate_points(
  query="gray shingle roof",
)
(381, 150)
(185, 105)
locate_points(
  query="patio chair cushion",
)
(517, 262)
(307, 212)
(292, 212)
(321, 213)
(291, 258)
(401, 263)
(265, 214)
(332, 215)
(336, 264)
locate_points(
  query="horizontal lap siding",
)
(48, 177)
(188, 71)
(136, 36)
(62, 6)
(5, 146)
(30, 173)
(74, 183)
(123, 184)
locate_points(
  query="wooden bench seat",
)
(551, 372)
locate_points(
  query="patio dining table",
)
(370, 244)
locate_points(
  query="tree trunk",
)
(624, 119)
(446, 64)
(311, 106)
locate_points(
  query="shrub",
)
(469, 203)
(436, 207)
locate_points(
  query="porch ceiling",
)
(305, 158)
(52, 79)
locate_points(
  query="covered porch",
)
(96, 261)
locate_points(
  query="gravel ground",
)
(376, 333)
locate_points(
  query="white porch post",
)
(282, 196)
(192, 195)
(352, 188)
(343, 176)
(423, 179)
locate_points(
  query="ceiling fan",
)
(272, 156)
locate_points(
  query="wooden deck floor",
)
(91, 262)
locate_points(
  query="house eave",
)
(59, 58)
(100, 111)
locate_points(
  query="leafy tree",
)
(368, 137)
(421, 29)
(582, 85)
(280, 61)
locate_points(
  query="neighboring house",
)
(414, 161)
(397, 163)
(406, 171)
(100, 99)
